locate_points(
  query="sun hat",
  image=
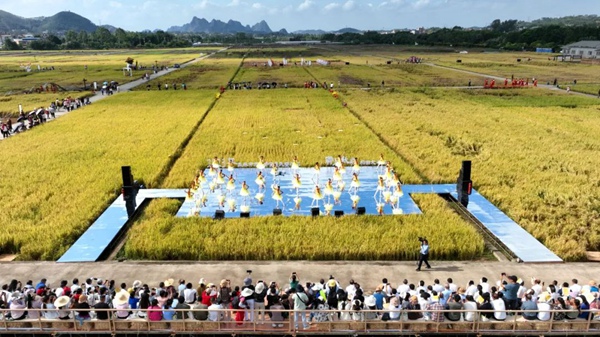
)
(370, 301)
(202, 281)
(169, 282)
(122, 297)
(137, 283)
(62, 301)
(331, 283)
(210, 285)
(247, 292)
(260, 287)
(17, 295)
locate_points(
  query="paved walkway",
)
(368, 274)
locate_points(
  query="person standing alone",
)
(423, 254)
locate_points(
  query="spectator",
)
(144, 305)
(17, 307)
(215, 313)
(121, 303)
(379, 298)
(100, 308)
(529, 304)
(486, 307)
(50, 311)
(544, 308)
(454, 304)
(82, 310)
(189, 294)
(471, 306)
(181, 307)
(168, 312)
(413, 304)
(300, 303)
(435, 310)
(276, 316)
(499, 307)
(394, 309)
(259, 301)
(154, 311)
(560, 309)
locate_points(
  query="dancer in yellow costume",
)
(215, 163)
(317, 196)
(261, 164)
(260, 181)
(295, 165)
(277, 195)
(230, 183)
(356, 165)
(296, 183)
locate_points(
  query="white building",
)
(583, 49)
(4, 37)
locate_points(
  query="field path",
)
(367, 273)
(130, 85)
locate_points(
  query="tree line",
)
(498, 35)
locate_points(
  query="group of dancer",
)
(326, 191)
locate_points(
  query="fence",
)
(513, 324)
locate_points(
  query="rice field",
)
(534, 151)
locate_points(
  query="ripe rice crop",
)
(158, 235)
(535, 153)
(59, 177)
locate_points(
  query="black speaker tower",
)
(128, 190)
(464, 184)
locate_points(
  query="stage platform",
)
(91, 246)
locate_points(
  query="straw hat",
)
(62, 301)
(169, 282)
(247, 292)
(331, 283)
(202, 281)
(260, 287)
(137, 284)
(370, 301)
(122, 297)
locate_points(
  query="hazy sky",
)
(305, 14)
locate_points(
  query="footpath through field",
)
(368, 273)
(130, 85)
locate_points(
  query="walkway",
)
(133, 84)
(368, 273)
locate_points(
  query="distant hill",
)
(198, 25)
(59, 22)
(321, 32)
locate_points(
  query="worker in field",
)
(506, 82)
(493, 83)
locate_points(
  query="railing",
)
(513, 324)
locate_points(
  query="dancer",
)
(295, 165)
(356, 166)
(277, 195)
(261, 164)
(355, 184)
(215, 163)
(317, 173)
(337, 175)
(230, 166)
(296, 183)
(317, 196)
(260, 181)
(231, 184)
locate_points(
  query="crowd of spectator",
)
(301, 304)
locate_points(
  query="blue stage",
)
(375, 195)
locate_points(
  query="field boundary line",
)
(164, 172)
(379, 136)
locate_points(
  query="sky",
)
(137, 15)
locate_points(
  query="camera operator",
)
(423, 254)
